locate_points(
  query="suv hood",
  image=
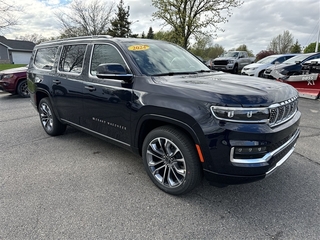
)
(14, 70)
(228, 89)
(224, 58)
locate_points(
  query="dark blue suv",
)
(159, 101)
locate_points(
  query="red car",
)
(14, 81)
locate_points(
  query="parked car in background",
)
(257, 69)
(289, 67)
(14, 81)
(232, 61)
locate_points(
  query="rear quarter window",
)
(45, 57)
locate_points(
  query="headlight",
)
(246, 115)
(7, 76)
(231, 61)
(253, 68)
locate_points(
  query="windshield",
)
(230, 54)
(268, 59)
(298, 58)
(162, 58)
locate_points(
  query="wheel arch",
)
(151, 121)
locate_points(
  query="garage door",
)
(21, 57)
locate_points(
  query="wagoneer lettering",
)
(161, 102)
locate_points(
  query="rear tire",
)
(50, 123)
(171, 161)
(22, 89)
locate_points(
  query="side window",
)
(104, 53)
(45, 57)
(71, 59)
(281, 59)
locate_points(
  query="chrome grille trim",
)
(282, 112)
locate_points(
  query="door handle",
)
(56, 81)
(90, 88)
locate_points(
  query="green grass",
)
(8, 66)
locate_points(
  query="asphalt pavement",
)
(76, 186)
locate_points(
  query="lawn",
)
(8, 66)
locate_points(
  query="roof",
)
(17, 44)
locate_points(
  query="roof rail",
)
(78, 38)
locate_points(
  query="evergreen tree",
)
(296, 48)
(143, 35)
(120, 25)
(150, 34)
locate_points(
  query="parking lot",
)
(76, 186)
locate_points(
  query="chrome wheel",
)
(46, 117)
(166, 162)
(171, 161)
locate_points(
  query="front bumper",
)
(228, 67)
(228, 167)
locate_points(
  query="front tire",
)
(171, 160)
(22, 89)
(49, 121)
(235, 69)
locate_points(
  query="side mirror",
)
(113, 71)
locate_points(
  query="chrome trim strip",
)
(89, 130)
(266, 157)
(281, 161)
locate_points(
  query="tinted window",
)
(71, 59)
(281, 59)
(105, 53)
(45, 57)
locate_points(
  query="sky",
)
(255, 23)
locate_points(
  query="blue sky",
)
(255, 23)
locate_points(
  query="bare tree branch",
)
(6, 14)
(85, 18)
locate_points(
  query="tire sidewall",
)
(193, 172)
(19, 89)
(57, 127)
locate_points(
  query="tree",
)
(168, 36)
(243, 47)
(35, 38)
(6, 17)
(85, 18)
(311, 48)
(263, 54)
(281, 43)
(150, 34)
(143, 35)
(215, 51)
(120, 25)
(295, 48)
(201, 45)
(190, 17)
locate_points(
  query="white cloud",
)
(255, 23)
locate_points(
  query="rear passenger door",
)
(106, 101)
(67, 86)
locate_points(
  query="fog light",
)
(250, 150)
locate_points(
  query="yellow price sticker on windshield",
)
(138, 47)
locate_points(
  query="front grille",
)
(220, 62)
(281, 112)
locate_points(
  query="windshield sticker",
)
(138, 47)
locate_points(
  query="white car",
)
(257, 69)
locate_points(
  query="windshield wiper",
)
(173, 73)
